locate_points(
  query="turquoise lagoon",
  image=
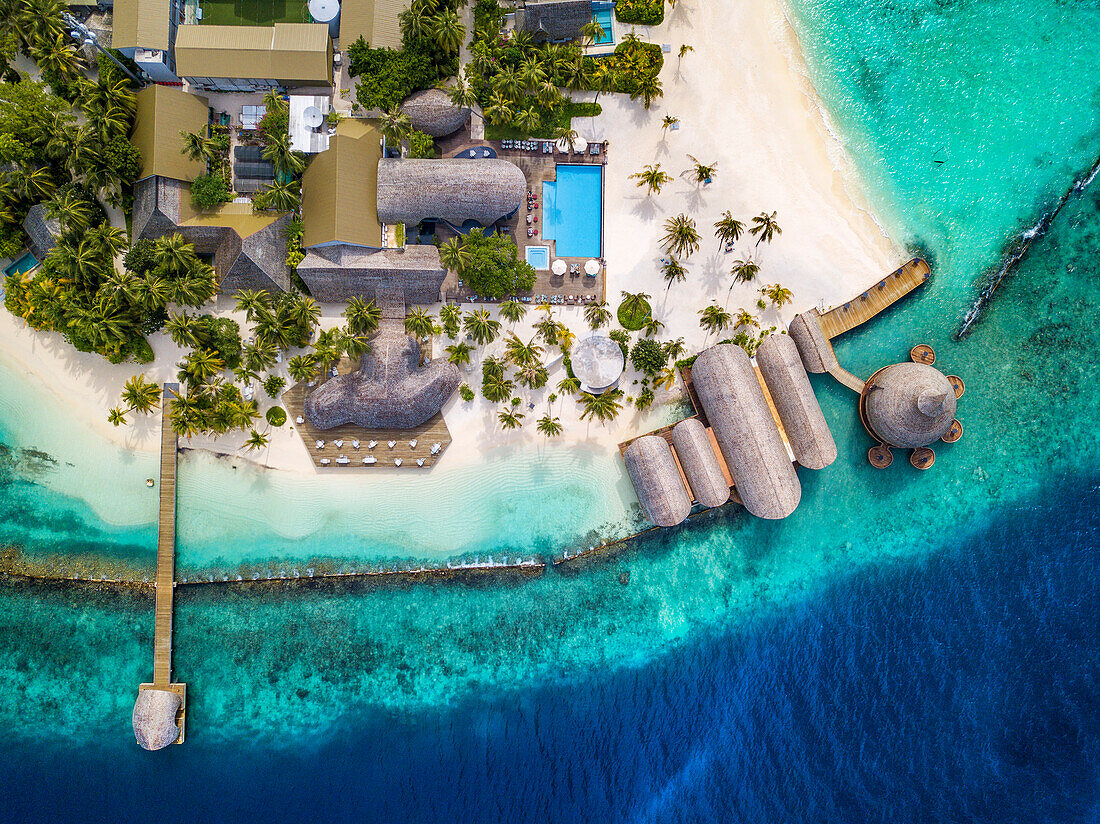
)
(994, 547)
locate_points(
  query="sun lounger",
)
(397, 462)
(412, 443)
(355, 444)
(299, 420)
(325, 461)
(372, 444)
(370, 459)
(338, 443)
(343, 459)
(419, 461)
(392, 444)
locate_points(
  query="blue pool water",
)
(602, 14)
(538, 257)
(572, 212)
(22, 264)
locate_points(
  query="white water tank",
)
(326, 11)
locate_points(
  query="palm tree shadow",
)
(646, 208)
(693, 199)
(714, 271)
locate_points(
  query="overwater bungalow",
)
(657, 481)
(154, 718)
(700, 464)
(909, 405)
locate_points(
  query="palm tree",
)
(604, 79)
(260, 355)
(363, 316)
(284, 195)
(462, 94)
(674, 349)
(459, 353)
(198, 146)
(714, 318)
(604, 407)
(278, 153)
(182, 329)
(648, 88)
(302, 367)
(778, 296)
(684, 48)
(510, 418)
(701, 172)
(569, 385)
(395, 125)
(481, 327)
(567, 134)
(653, 177)
(728, 229)
(512, 311)
(681, 237)
(498, 111)
(71, 210)
(597, 314)
(550, 427)
(592, 31)
(141, 395)
(745, 320)
(653, 327)
(172, 253)
(419, 323)
(454, 255)
(117, 417)
(497, 388)
(250, 301)
(450, 316)
(666, 379)
(765, 226)
(673, 272)
(201, 365)
(305, 312)
(255, 441)
(668, 121)
(743, 271)
(447, 31)
(521, 354)
(634, 303)
(528, 120)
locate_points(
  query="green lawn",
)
(253, 12)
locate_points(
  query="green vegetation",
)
(276, 416)
(560, 120)
(253, 12)
(634, 311)
(640, 12)
(209, 192)
(648, 356)
(466, 393)
(431, 34)
(421, 144)
(490, 265)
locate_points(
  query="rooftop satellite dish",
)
(312, 117)
(324, 11)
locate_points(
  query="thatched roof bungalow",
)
(745, 431)
(700, 463)
(554, 21)
(162, 112)
(43, 230)
(338, 189)
(249, 250)
(341, 272)
(154, 718)
(795, 401)
(908, 405)
(432, 112)
(813, 347)
(453, 190)
(390, 390)
(657, 482)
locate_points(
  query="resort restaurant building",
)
(254, 58)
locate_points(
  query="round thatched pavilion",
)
(597, 362)
(908, 405)
(657, 481)
(155, 718)
(432, 112)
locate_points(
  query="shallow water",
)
(906, 647)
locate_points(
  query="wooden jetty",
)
(882, 295)
(166, 564)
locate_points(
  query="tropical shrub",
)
(209, 192)
(276, 416)
(633, 319)
(387, 77)
(648, 356)
(421, 144)
(466, 393)
(493, 268)
(640, 12)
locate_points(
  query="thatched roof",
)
(249, 250)
(657, 481)
(700, 463)
(597, 362)
(340, 272)
(389, 390)
(431, 111)
(745, 431)
(453, 190)
(42, 230)
(813, 347)
(909, 404)
(554, 20)
(795, 401)
(155, 718)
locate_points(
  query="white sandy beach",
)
(748, 108)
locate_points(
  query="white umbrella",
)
(559, 267)
(579, 145)
(312, 117)
(592, 267)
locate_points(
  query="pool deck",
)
(537, 168)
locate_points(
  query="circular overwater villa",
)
(597, 362)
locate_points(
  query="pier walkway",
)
(883, 294)
(166, 563)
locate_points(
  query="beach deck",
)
(882, 295)
(166, 565)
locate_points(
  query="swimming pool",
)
(572, 211)
(538, 256)
(21, 265)
(601, 13)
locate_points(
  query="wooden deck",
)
(432, 431)
(882, 295)
(166, 564)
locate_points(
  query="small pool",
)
(602, 14)
(572, 211)
(21, 265)
(538, 257)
